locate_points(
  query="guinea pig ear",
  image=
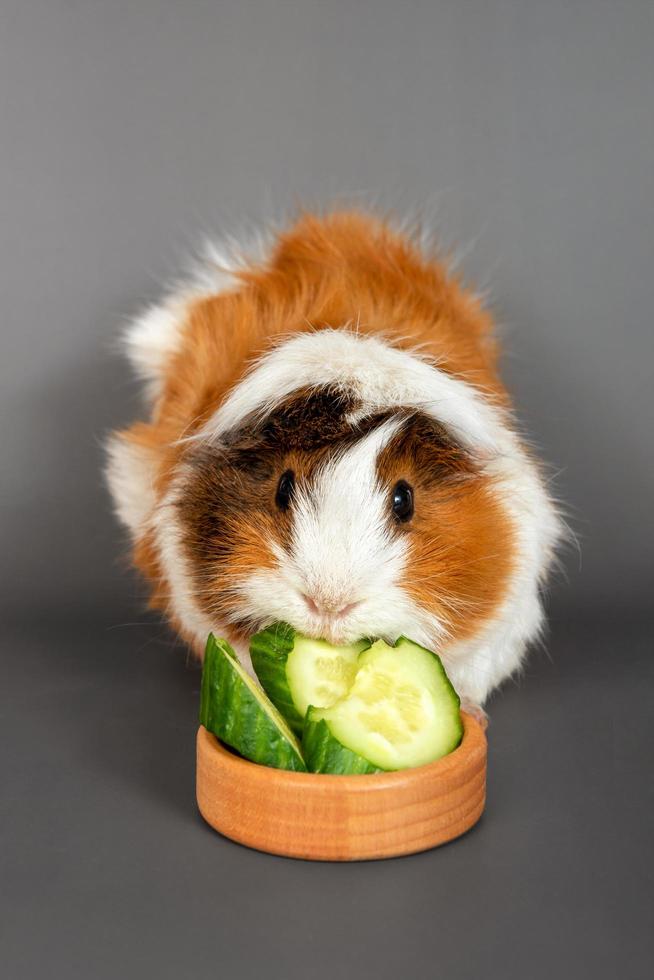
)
(130, 471)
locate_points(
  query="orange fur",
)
(460, 556)
(460, 539)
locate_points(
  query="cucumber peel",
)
(297, 671)
(238, 712)
(401, 711)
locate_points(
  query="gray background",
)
(524, 131)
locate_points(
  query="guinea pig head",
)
(342, 521)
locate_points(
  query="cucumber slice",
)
(296, 671)
(325, 753)
(400, 712)
(237, 711)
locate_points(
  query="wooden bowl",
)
(342, 818)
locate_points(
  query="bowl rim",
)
(473, 743)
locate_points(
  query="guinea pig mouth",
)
(333, 628)
(332, 634)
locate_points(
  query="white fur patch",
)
(152, 339)
(130, 472)
(220, 261)
(379, 374)
(155, 336)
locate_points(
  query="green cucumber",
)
(401, 711)
(296, 671)
(326, 754)
(237, 711)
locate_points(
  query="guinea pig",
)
(328, 443)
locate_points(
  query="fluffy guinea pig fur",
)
(328, 443)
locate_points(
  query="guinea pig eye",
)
(285, 489)
(403, 501)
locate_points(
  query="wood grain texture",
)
(343, 818)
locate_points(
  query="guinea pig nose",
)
(328, 609)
